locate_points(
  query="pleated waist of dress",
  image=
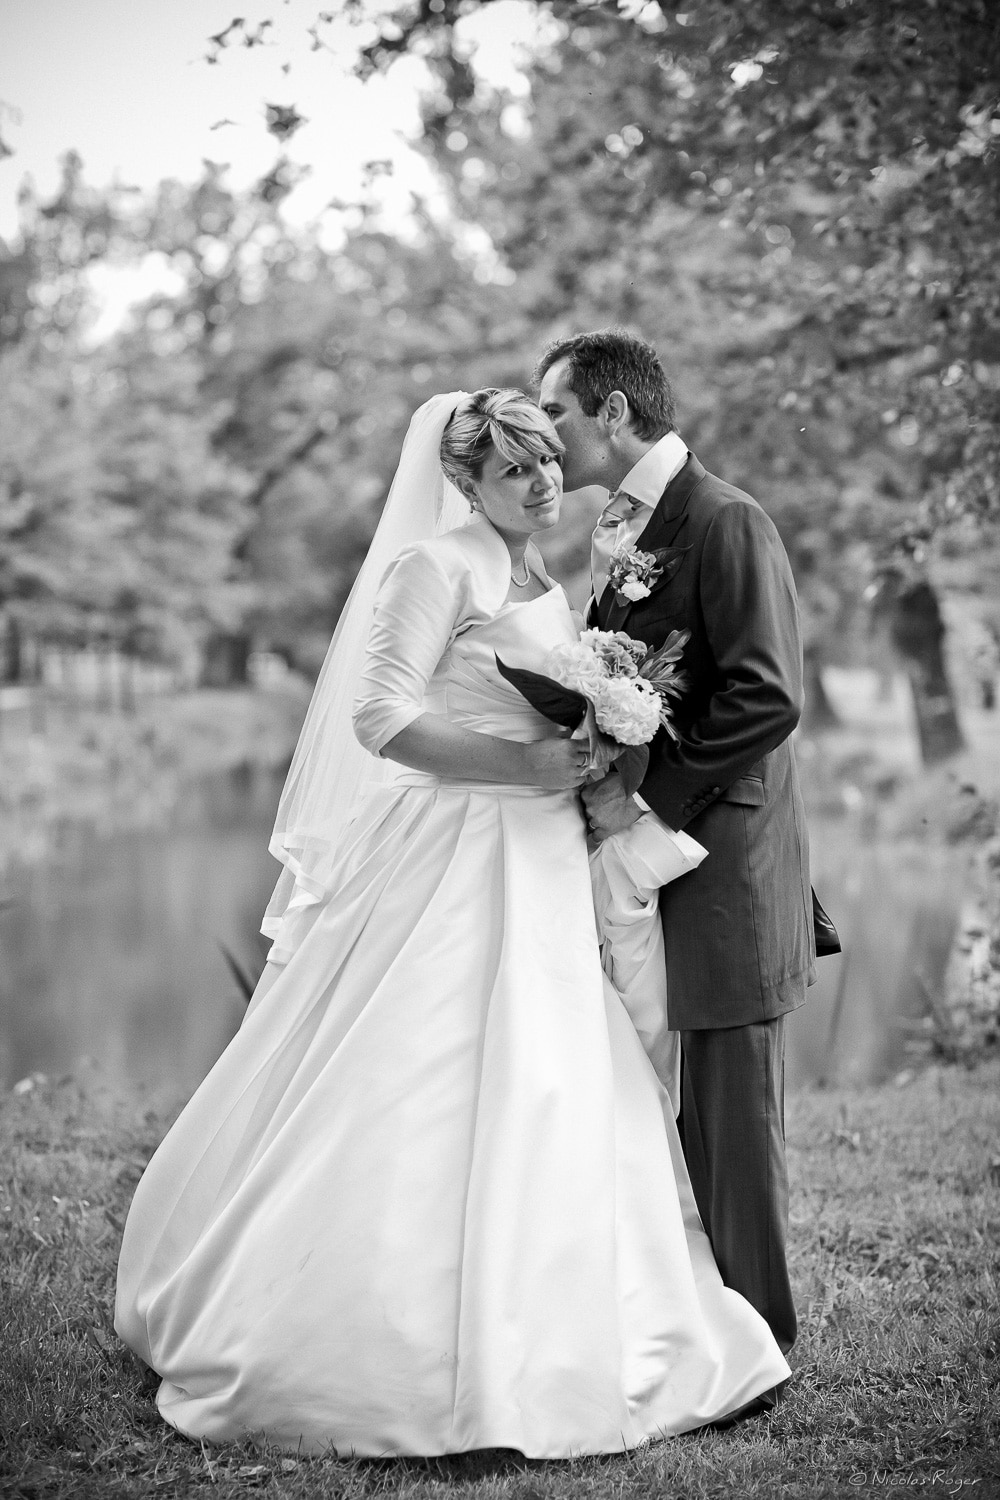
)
(423, 779)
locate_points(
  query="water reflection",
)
(115, 954)
(897, 907)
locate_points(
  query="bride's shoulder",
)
(472, 560)
(474, 545)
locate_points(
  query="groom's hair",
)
(615, 360)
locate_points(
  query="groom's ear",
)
(615, 410)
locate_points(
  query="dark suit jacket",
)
(738, 930)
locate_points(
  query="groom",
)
(737, 930)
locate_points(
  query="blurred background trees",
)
(795, 200)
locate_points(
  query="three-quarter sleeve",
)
(414, 620)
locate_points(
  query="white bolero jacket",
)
(434, 592)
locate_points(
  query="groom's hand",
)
(609, 810)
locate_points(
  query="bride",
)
(431, 1198)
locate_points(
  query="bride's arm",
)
(433, 744)
(416, 612)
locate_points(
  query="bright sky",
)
(125, 83)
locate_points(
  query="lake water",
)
(113, 959)
(114, 955)
(897, 908)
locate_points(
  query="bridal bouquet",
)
(617, 693)
(611, 688)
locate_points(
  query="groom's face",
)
(586, 458)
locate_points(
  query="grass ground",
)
(895, 1235)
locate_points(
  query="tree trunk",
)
(917, 631)
(11, 664)
(819, 712)
(225, 663)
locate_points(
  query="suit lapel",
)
(664, 526)
(615, 612)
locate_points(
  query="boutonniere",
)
(633, 574)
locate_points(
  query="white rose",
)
(593, 638)
(576, 666)
(628, 709)
(633, 589)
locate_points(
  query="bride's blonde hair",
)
(505, 420)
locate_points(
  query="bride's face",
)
(519, 498)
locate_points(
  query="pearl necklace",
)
(522, 583)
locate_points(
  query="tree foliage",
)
(833, 165)
(207, 479)
(796, 200)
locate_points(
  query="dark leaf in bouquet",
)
(671, 651)
(672, 685)
(632, 765)
(562, 705)
(660, 667)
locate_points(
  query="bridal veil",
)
(329, 766)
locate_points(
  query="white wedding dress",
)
(431, 1198)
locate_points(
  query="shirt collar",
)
(647, 479)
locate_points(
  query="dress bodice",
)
(469, 690)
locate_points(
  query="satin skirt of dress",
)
(431, 1198)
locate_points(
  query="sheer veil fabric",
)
(329, 767)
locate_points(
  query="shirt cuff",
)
(640, 802)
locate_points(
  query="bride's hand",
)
(556, 764)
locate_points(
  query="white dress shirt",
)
(627, 514)
(648, 478)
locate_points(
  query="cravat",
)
(613, 530)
